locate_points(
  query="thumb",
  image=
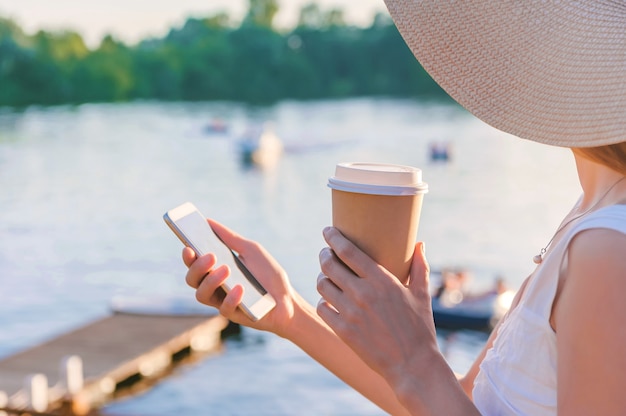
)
(232, 240)
(420, 270)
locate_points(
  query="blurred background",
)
(113, 113)
(221, 56)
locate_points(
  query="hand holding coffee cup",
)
(378, 207)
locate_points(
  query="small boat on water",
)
(456, 307)
(440, 151)
(216, 126)
(481, 313)
(260, 147)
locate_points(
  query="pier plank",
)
(113, 349)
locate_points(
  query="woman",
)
(549, 71)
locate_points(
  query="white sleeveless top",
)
(518, 374)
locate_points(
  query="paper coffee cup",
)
(378, 207)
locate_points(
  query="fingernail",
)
(326, 230)
(423, 248)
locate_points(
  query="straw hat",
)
(552, 71)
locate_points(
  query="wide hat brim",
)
(551, 71)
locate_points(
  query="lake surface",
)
(83, 190)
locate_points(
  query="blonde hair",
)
(612, 156)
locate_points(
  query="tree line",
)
(213, 58)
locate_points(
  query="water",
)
(83, 190)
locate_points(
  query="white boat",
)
(260, 147)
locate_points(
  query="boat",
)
(440, 151)
(260, 147)
(480, 312)
(216, 126)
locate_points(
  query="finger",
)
(233, 240)
(420, 270)
(328, 290)
(209, 290)
(348, 253)
(199, 269)
(232, 300)
(335, 270)
(328, 313)
(189, 256)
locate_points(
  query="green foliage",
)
(211, 59)
(312, 17)
(261, 13)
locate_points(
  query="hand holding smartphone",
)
(192, 228)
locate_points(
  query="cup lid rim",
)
(378, 178)
(390, 190)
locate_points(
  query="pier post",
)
(36, 386)
(72, 373)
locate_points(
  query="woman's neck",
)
(599, 183)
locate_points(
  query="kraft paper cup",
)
(378, 207)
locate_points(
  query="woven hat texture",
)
(551, 71)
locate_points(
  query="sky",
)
(133, 20)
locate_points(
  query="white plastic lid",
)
(378, 179)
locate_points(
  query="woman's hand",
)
(389, 325)
(206, 276)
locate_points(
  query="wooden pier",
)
(83, 369)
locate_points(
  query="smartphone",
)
(192, 228)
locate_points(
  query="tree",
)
(310, 16)
(218, 21)
(261, 13)
(333, 18)
(62, 46)
(106, 74)
(210, 59)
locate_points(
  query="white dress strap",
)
(542, 290)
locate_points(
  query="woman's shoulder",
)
(612, 217)
(589, 311)
(597, 255)
(600, 235)
(599, 242)
(596, 252)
